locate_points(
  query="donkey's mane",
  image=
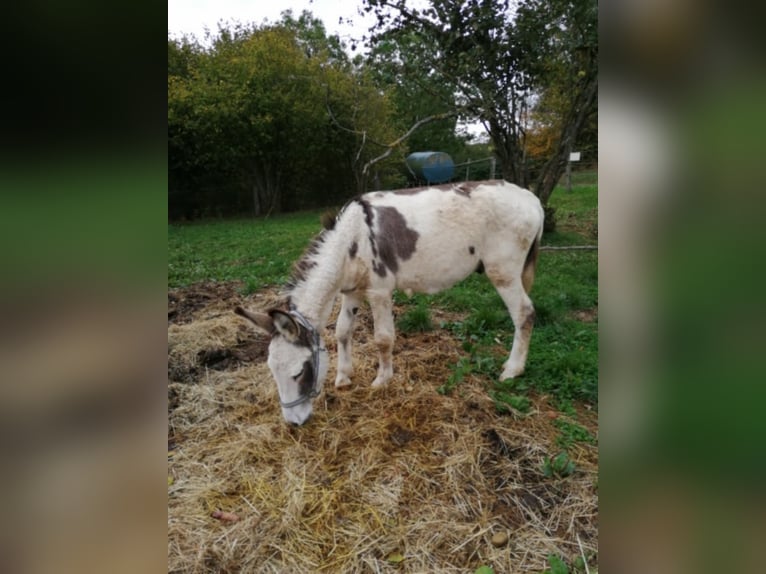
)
(308, 260)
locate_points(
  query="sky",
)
(192, 16)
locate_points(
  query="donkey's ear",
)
(261, 320)
(285, 324)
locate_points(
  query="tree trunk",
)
(266, 186)
(556, 165)
(507, 153)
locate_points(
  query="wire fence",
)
(582, 173)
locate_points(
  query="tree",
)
(248, 117)
(567, 74)
(497, 59)
(416, 93)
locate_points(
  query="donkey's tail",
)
(528, 275)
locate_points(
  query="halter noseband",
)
(315, 349)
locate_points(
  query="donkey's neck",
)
(313, 294)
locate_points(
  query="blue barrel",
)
(431, 166)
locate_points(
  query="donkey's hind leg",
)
(383, 317)
(344, 330)
(522, 313)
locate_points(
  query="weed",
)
(506, 403)
(579, 563)
(461, 369)
(512, 385)
(557, 565)
(572, 433)
(414, 320)
(560, 466)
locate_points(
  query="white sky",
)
(192, 16)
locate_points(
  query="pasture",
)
(445, 470)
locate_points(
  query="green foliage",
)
(558, 466)
(505, 402)
(415, 94)
(484, 570)
(557, 565)
(248, 123)
(461, 369)
(572, 433)
(510, 396)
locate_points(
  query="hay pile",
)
(395, 480)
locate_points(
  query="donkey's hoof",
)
(511, 373)
(342, 381)
(380, 382)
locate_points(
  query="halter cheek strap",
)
(316, 348)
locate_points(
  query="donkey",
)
(416, 240)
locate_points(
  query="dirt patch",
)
(374, 475)
(586, 315)
(185, 303)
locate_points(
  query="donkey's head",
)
(297, 359)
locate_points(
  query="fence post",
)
(569, 177)
(492, 167)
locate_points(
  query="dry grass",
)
(374, 474)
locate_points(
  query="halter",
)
(315, 350)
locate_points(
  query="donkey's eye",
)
(298, 376)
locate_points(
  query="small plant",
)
(462, 368)
(560, 466)
(480, 364)
(415, 320)
(505, 402)
(512, 385)
(557, 565)
(579, 563)
(572, 433)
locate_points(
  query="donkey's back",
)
(427, 239)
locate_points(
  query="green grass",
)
(563, 356)
(259, 252)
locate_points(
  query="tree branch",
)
(398, 141)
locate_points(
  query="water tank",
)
(431, 166)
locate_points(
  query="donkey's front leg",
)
(382, 315)
(344, 330)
